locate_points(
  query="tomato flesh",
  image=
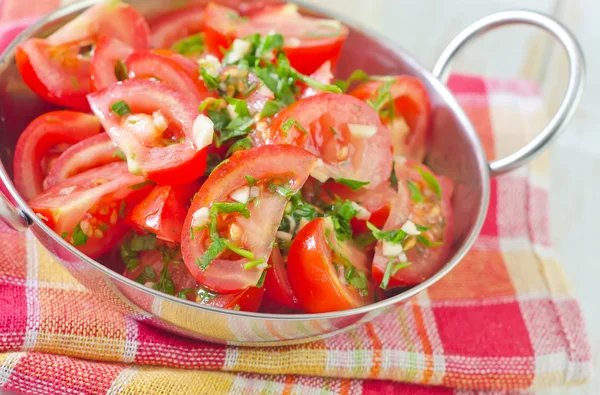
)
(277, 285)
(431, 212)
(164, 210)
(107, 53)
(91, 204)
(410, 123)
(308, 42)
(327, 120)
(316, 282)
(38, 140)
(181, 161)
(289, 166)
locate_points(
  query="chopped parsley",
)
(283, 189)
(141, 185)
(383, 101)
(261, 280)
(240, 251)
(341, 213)
(393, 236)
(146, 275)
(218, 246)
(121, 71)
(428, 243)
(352, 184)
(254, 263)
(79, 238)
(165, 284)
(119, 154)
(191, 45)
(130, 249)
(204, 295)
(211, 83)
(357, 75)
(271, 108)
(287, 125)
(251, 180)
(185, 292)
(120, 108)
(240, 145)
(298, 209)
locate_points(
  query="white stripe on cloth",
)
(8, 366)
(31, 293)
(122, 380)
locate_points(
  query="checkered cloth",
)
(503, 319)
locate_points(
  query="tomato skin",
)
(427, 262)
(262, 163)
(249, 299)
(106, 54)
(179, 163)
(173, 26)
(37, 140)
(312, 275)
(309, 51)
(365, 159)
(411, 102)
(277, 285)
(163, 211)
(170, 68)
(94, 151)
(94, 197)
(66, 85)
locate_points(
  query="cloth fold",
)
(503, 319)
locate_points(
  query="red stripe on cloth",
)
(372, 387)
(13, 325)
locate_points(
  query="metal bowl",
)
(454, 151)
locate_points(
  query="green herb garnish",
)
(79, 238)
(415, 193)
(254, 263)
(191, 45)
(431, 181)
(120, 108)
(271, 108)
(391, 269)
(352, 184)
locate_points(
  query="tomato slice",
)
(92, 152)
(58, 74)
(246, 300)
(107, 53)
(319, 266)
(175, 70)
(430, 211)
(410, 123)
(173, 26)
(167, 156)
(277, 172)
(163, 211)
(56, 69)
(43, 138)
(277, 285)
(308, 42)
(89, 209)
(346, 133)
(323, 74)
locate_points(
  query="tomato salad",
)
(215, 155)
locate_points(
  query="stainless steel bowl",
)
(454, 152)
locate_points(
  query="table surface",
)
(522, 52)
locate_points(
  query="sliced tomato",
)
(308, 42)
(246, 300)
(45, 137)
(410, 121)
(88, 209)
(107, 53)
(173, 26)
(431, 211)
(163, 211)
(168, 156)
(173, 69)
(376, 201)
(323, 74)
(281, 167)
(277, 285)
(92, 152)
(55, 68)
(330, 121)
(319, 266)
(58, 74)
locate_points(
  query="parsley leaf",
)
(271, 108)
(190, 45)
(165, 284)
(394, 236)
(352, 184)
(147, 274)
(357, 75)
(283, 189)
(287, 125)
(428, 243)
(391, 269)
(341, 214)
(184, 293)
(254, 263)
(79, 238)
(261, 280)
(218, 246)
(135, 187)
(240, 145)
(212, 83)
(431, 181)
(415, 193)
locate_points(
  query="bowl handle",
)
(12, 216)
(572, 95)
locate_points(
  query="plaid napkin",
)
(503, 319)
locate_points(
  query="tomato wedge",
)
(177, 71)
(420, 203)
(92, 152)
(409, 123)
(88, 209)
(227, 251)
(164, 210)
(308, 42)
(323, 74)
(246, 300)
(325, 273)
(173, 26)
(277, 285)
(43, 139)
(346, 133)
(107, 53)
(58, 68)
(161, 146)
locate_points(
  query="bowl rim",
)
(483, 169)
